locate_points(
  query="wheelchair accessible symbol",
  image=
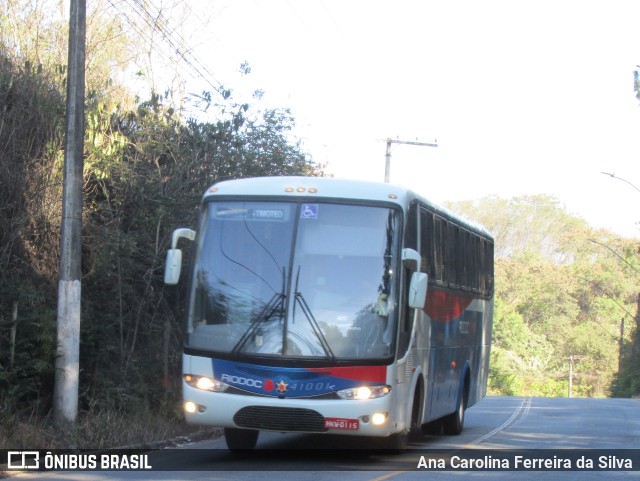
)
(309, 211)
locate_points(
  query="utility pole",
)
(621, 346)
(571, 359)
(387, 164)
(68, 322)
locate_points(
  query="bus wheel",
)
(454, 423)
(415, 433)
(240, 439)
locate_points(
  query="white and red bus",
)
(320, 305)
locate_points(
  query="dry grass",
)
(100, 430)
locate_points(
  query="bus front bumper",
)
(372, 417)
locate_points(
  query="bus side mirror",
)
(173, 264)
(418, 290)
(173, 267)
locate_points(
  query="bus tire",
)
(240, 439)
(415, 432)
(454, 423)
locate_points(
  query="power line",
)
(614, 176)
(177, 44)
(158, 48)
(304, 24)
(182, 48)
(340, 31)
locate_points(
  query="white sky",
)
(523, 97)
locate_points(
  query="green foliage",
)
(503, 380)
(145, 171)
(30, 136)
(562, 289)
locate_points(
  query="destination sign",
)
(261, 212)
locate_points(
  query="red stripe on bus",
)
(443, 306)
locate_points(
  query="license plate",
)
(342, 423)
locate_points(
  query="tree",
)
(559, 293)
(145, 171)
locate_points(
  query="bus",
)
(320, 305)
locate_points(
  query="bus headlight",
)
(205, 383)
(379, 419)
(364, 392)
(192, 408)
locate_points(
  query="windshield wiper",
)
(306, 310)
(275, 305)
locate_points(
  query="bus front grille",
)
(280, 419)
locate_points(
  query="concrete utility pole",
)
(621, 346)
(571, 359)
(387, 164)
(68, 323)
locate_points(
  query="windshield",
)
(301, 280)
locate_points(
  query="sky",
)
(523, 97)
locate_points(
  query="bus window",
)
(438, 256)
(474, 264)
(452, 253)
(411, 229)
(426, 242)
(464, 253)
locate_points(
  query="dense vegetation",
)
(144, 174)
(562, 288)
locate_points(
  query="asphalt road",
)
(560, 427)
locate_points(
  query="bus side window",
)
(475, 264)
(426, 242)
(438, 254)
(411, 229)
(407, 313)
(464, 255)
(483, 267)
(452, 252)
(486, 267)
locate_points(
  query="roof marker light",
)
(301, 189)
(313, 190)
(393, 196)
(289, 189)
(213, 190)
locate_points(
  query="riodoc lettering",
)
(242, 381)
